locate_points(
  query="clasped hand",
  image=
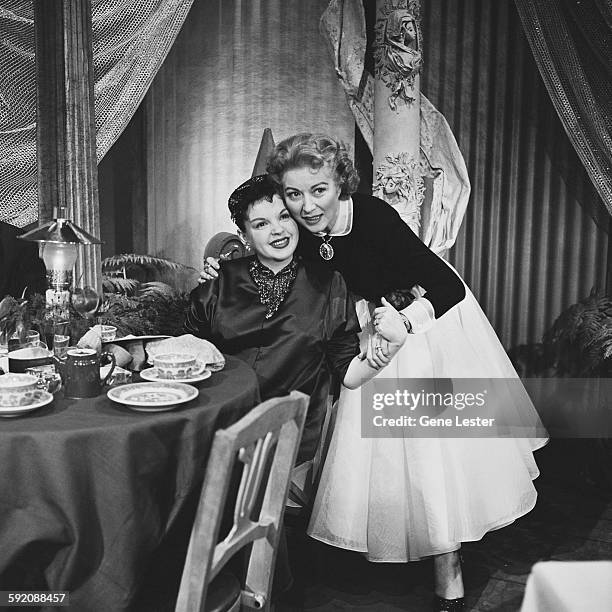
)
(389, 337)
(388, 325)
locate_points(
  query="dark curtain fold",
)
(535, 235)
(571, 41)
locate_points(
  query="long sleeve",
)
(31, 270)
(381, 255)
(201, 309)
(343, 342)
(20, 267)
(411, 259)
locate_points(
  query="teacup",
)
(22, 359)
(175, 365)
(17, 389)
(108, 333)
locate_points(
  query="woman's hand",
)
(378, 352)
(389, 324)
(209, 272)
(390, 334)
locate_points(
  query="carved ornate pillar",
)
(66, 132)
(398, 59)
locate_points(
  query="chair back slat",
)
(266, 441)
(226, 549)
(255, 460)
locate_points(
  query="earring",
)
(243, 240)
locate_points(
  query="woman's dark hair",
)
(314, 150)
(256, 188)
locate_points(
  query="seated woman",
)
(293, 321)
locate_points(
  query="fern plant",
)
(137, 301)
(580, 340)
(130, 261)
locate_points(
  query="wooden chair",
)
(225, 245)
(266, 441)
(305, 477)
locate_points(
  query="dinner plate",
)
(41, 398)
(152, 374)
(153, 396)
(132, 338)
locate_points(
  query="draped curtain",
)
(536, 233)
(130, 41)
(535, 236)
(571, 41)
(237, 67)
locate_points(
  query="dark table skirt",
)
(89, 489)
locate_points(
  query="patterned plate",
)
(153, 396)
(41, 398)
(153, 375)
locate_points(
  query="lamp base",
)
(58, 303)
(59, 280)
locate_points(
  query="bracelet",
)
(407, 323)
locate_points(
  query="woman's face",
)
(271, 232)
(312, 196)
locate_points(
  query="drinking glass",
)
(60, 345)
(32, 337)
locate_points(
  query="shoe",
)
(440, 604)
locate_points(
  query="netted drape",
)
(572, 44)
(130, 41)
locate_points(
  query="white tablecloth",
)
(569, 586)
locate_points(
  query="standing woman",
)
(402, 499)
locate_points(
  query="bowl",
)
(24, 358)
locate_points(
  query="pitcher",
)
(80, 372)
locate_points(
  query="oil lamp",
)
(59, 239)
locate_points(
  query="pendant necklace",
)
(326, 250)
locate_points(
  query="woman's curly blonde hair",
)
(314, 150)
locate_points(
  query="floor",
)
(571, 521)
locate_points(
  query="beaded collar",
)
(273, 288)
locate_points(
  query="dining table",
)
(90, 489)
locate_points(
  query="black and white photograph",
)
(306, 305)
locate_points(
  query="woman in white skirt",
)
(403, 499)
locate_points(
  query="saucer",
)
(42, 398)
(153, 375)
(153, 396)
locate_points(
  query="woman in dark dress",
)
(294, 322)
(20, 267)
(402, 499)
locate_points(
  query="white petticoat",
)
(398, 499)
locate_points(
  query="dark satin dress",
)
(20, 266)
(311, 336)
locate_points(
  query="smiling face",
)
(312, 196)
(271, 232)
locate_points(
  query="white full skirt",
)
(402, 499)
